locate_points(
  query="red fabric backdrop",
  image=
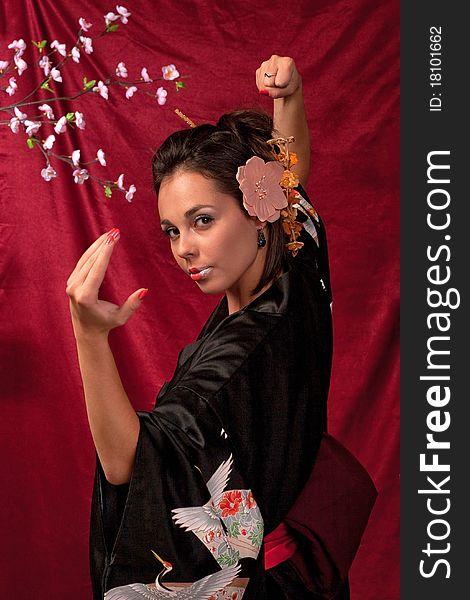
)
(347, 52)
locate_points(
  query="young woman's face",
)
(212, 239)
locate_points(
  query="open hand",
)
(90, 315)
(278, 76)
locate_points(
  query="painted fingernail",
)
(143, 293)
(264, 92)
(111, 230)
(112, 236)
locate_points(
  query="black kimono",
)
(231, 441)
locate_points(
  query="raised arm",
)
(113, 422)
(278, 77)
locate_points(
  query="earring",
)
(261, 239)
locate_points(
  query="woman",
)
(215, 468)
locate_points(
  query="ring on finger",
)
(270, 74)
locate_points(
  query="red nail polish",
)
(113, 235)
(142, 294)
(264, 92)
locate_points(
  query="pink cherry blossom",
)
(21, 115)
(121, 70)
(130, 193)
(161, 95)
(18, 45)
(145, 76)
(46, 65)
(3, 65)
(75, 158)
(21, 64)
(170, 72)
(120, 182)
(130, 91)
(32, 127)
(75, 54)
(123, 13)
(14, 124)
(101, 157)
(84, 24)
(16, 121)
(48, 173)
(61, 49)
(49, 142)
(110, 17)
(80, 176)
(61, 125)
(45, 108)
(79, 120)
(101, 89)
(87, 44)
(12, 87)
(55, 74)
(263, 196)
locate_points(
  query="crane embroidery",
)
(206, 588)
(230, 524)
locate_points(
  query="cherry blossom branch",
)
(83, 44)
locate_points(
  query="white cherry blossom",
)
(87, 44)
(130, 193)
(61, 125)
(130, 91)
(3, 65)
(75, 54)
(48, 173)
(75, 158)
(84, 24)
(46, 65)
(55, 74)
(21, 64)
(110, 17)
(101, 157)
(61, 49)
(45, 108)
(123, 14)
(161, 95)
(120, 182)
(21, 115)
(79, 120)
(145, 76)
(18, 45)
(80, 175)
(49, 142)
(14, 124)
(170, 72)
(121, 70)
(101, 89)
(12, 86)
(32, 127)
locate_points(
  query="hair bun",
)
(251, 127)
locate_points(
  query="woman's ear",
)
(259, 224)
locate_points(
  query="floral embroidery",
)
(230, 503)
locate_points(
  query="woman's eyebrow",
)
(188, 213)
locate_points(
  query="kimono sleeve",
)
(187, 501)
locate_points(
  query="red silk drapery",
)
(347, 53)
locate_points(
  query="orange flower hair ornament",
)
(268, 190)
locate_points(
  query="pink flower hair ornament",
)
(268, 190)
(259, 181)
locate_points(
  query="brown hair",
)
(216, 151)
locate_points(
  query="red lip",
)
(196, 270)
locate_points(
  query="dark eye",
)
(171, 232)
(204, 220)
